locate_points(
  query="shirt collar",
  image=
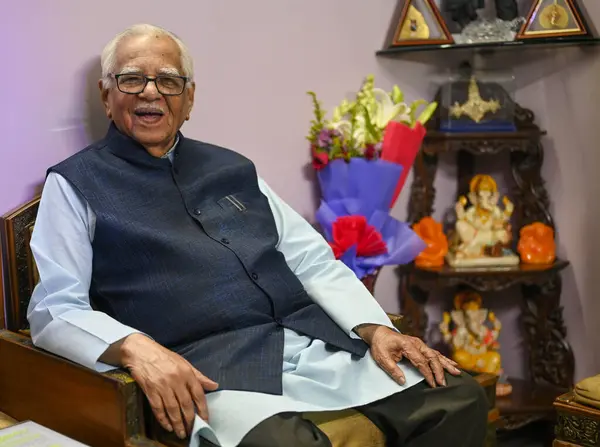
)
(170, 151)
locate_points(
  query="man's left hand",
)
(389, 347)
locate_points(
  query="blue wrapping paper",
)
(365, 188)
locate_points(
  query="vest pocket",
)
(232, 202)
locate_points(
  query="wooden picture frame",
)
(431, 12)
(575, 26)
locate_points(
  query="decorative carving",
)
(133, 395)
(24, 287)
(524, 118)
(422, 191)
(523, 140)
(577, 429)
(551, 359)
(481, 280)
(415, 318)
(120, 375)
(15, 337)
(485, 145)
(530, 194)
(18, 272)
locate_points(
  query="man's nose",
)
(151, 91)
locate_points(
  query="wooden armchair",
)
(97, 409)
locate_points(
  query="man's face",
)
(148, 117)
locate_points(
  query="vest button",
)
(254, 276)
(197, 212)
(278, 321)
(225, 240)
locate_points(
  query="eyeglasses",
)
(134, 84)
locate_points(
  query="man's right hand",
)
(171, 384)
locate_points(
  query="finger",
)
(448, 360)
(449, 366)
(174, 413)
(421, 363)
(391, 367)
(199, 399)
(436, 366)
(207, 384)
(186, 405)
(158, 409)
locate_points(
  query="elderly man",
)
(170, 257)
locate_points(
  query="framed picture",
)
(553, 18)
(418, 22)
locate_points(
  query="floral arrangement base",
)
(484, 261)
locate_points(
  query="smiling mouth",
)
(149, 116)
(148, 113)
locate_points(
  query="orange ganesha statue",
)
(536, 244)
(437, 244)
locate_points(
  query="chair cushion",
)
(587, 392)
(348, 428)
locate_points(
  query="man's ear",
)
(190, 92)
(104, 97)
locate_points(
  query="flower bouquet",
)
(362, 156)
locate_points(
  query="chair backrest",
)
(18, 266)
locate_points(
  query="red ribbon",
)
(348, 231)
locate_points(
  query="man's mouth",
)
(149, 116)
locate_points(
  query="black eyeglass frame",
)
(148, 79)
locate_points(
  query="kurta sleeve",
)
(61, 318)
(330, 284)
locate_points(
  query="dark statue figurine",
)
(464, 12)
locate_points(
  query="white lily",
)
(386, 109)
(372, 111)
(358, 134)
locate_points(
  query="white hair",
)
(109, 54)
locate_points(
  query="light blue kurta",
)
(62, 320)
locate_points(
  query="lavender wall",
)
(255, 61)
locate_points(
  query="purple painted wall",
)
(254, 62)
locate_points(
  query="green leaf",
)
(318, 123)
(413, 109)
(427, 113)
(397, 95)
(371, 129)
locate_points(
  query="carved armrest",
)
(93, 408)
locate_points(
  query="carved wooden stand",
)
(551, 362)
(577, 425)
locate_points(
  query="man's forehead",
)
(154, 52)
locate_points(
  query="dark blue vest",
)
(186, 253)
